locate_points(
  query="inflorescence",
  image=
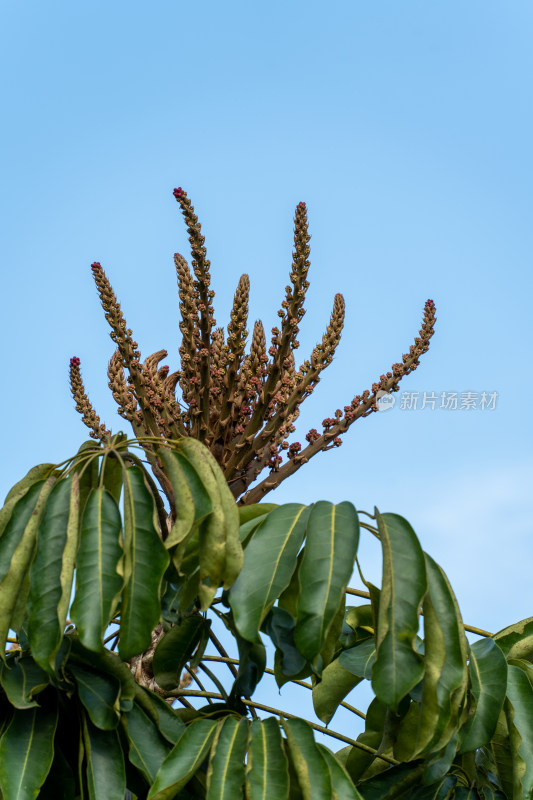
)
(242, 406)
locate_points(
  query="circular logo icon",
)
(385, 400)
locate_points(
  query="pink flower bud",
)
(75, 362)
(96, 265)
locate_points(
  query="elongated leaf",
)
(520, 722)
(26, 753)
(220, 550)
(98, 582)
(35, 475)
(267, 775)
(225, 774)
(516, 641)
(234, 551)
(444, 789)
(397, 781)
(331, 543)
(175, 649)
(44, 630)
(269, 561)
(20, 511)
(99, 694)
(191, 499)
(22, 679)
(28, 521)
(252, 663)
(170, 726)
(280, 625)
(359, 659)
(113, 469)
(248, 513)
(398, 667)
(184, 760)
(145, 562)
(488, 673)
(341, 784)
(70, 551)
(148, 749)
(336, 683)
(105, 771)
(446, 677)
(107, 663)
(310, 767)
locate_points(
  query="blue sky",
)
(406, 128)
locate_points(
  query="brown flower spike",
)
(242, 406)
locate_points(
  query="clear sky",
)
(405, 126)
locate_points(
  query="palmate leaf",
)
(398, 666)
(98, 580)
(267, 774)
(269, 562)
(332, 536)
(145, 562)
(26, 752)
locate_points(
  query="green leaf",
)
(252, 663)
(170, 726)
(279, 625)
(329, 692)
(331, 543)
(341, 784)
(488, 674)
(112, 468)
(440, 790)
(518, 710)
(145, 562)
(358, 761)
(148, 749)
(184, 760)
(104, 661)
(394, 782)
(360, 659)
(398, 666)
(105, 771)
(35, 475)
(21, 680)
(14, 517)
(267, 775)
(98, 582)
(269, 561)
(99, 694)
(516, 641)
(175, 649)
(225, 774)
(309, 764)
(253, 511)
(23, 525)
(70, 552)
(44, 629)
(446, 677)
(26, 753)
(230, 510)
(192, 501)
